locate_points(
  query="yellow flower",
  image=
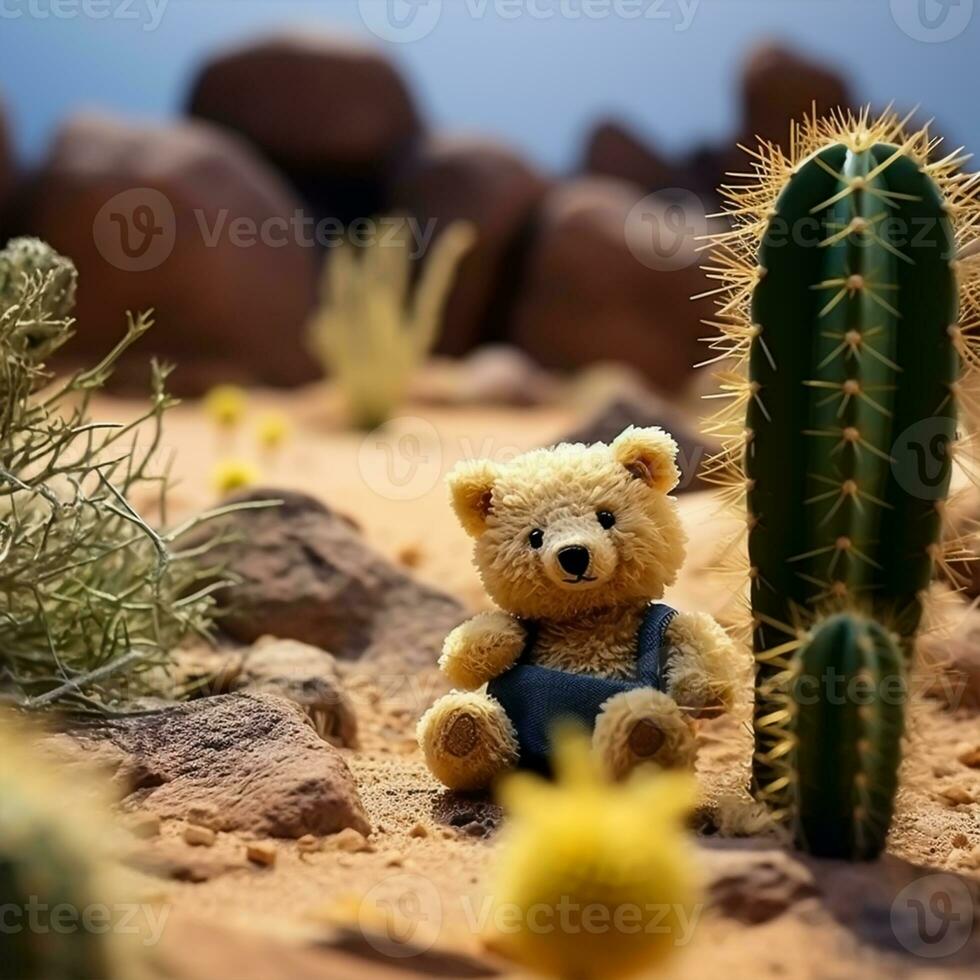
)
(226, 405)
(234, 474)
(272, 430)
(595, 879)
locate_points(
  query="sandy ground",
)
(432, 853)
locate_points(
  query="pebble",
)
(419, 830)
(143, 825)
(204, 815)
(971, 757)
(351, 841)
(957, 796)
(309, 843)
(199, 836)
(262, 852)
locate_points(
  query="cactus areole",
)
(851, 408)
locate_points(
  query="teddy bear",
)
(575, 544)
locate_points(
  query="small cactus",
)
(840, 303)
(848, 708)
(373, 331)
(53, 855)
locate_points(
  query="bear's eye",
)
(536, 538)
(606, 518)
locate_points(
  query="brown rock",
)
(487, 184)
(758, 886)
(308, 677)
(971, 757)
(160, 216)
(306, 574)
(779, 85)
(253, 757)
(614, 150)
(609, 277)
(952, 668)
(198, 836)
(610, 421)
(331, 111)
(262, 852)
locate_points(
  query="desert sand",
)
(430, 858)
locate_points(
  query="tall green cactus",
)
(840, 294)
(853, 348)
(847, 704)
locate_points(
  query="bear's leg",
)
(467, 740)
(643, 726)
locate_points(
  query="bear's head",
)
(563, 531)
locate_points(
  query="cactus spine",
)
(840, 298)
(847, 743)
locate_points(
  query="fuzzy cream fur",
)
(467, 740)
(482, 648)
(632, 714)
(702, 669)
(585, 622)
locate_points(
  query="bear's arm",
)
(702, 670)
(481, 649)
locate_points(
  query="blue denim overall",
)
(536, 697)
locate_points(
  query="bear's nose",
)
(574, 559)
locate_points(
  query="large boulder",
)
(614, 150)
(609, 277)
(779, 85)
(252, 761)
(331, 111)
(188, 220)
(305, 573)
(490, 186)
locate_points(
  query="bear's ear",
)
(471, 485)
(650, 455)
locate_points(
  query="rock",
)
(306, 574)
(779, 85)
(331, 111)
(308, 677)
(253, 757)
(614, 150)
(756, 887)
(619, 413)
(495, 374)
(952, 667)
(198, 836)
(261, 852)
(188, 220)
(485, 183)
(970, 757)
(602, 282)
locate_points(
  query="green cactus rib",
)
(849, 707)
(852, 363)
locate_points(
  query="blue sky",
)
(534, 72)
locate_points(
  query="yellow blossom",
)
(595, 879)
(272, 430)
(234, 474)
(226, 405)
